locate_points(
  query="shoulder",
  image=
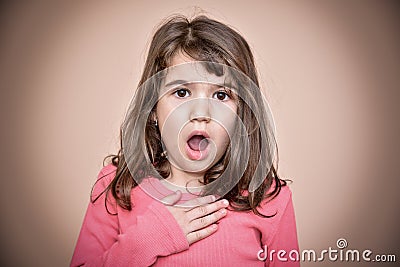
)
(107, 172)
(278, 204)
(104, 178)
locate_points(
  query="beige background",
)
(330, 70)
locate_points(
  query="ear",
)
(153, 117)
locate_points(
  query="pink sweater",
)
(149, 235)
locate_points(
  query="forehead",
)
(180, 58)
(182, 67)
(196, 72)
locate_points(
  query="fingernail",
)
(226, 202)
(213, 198)
(223, 211)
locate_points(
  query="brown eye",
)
(222, 96)
(181, 93)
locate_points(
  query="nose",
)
(200, 110)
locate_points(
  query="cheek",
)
(228, 123)
(163, 111)
(225, 131)
(171, 120)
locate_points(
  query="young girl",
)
(193, 183)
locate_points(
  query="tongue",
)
(198, 143)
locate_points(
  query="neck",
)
(185, 179)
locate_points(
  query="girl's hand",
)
(199, 220)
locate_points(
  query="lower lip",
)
(196, 155)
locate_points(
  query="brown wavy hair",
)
(203, 39)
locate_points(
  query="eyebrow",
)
(180, 82)
(176, 82)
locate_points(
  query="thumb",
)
(172, 199)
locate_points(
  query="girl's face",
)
(196, 119)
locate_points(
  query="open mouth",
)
(198, 143)
(197, 146)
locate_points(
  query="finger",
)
(199, 201)
(172, 199)
(201, 234)
(204, 210)
(206, 220)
